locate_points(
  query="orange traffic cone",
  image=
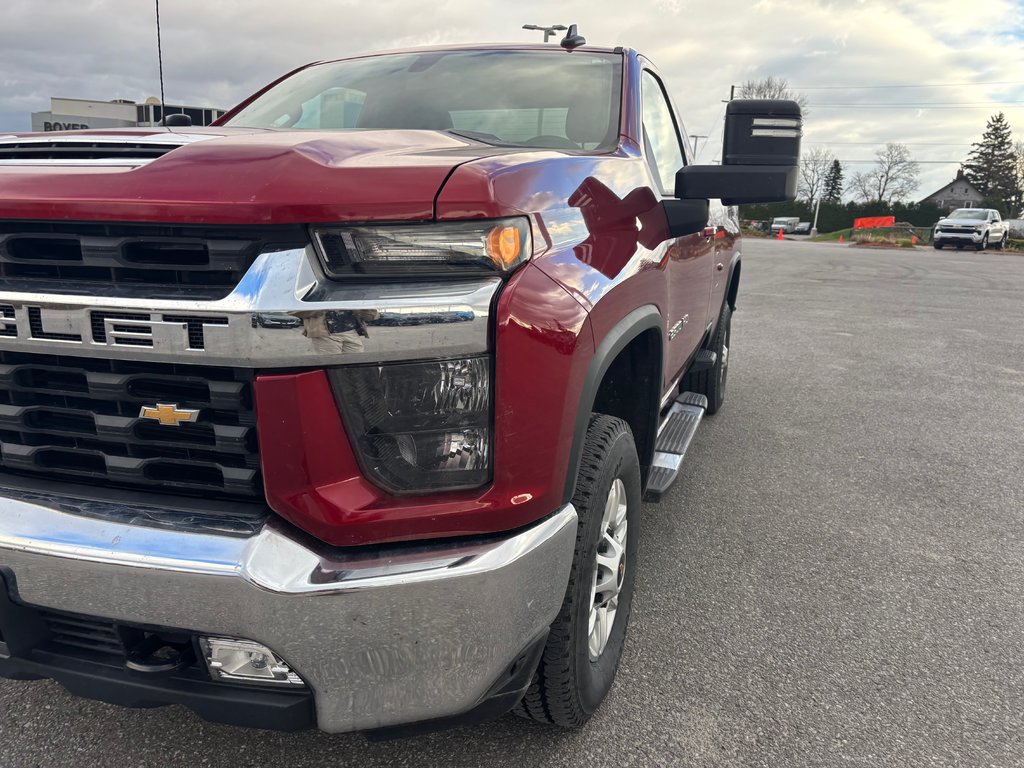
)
(840, 239)
(780, 233)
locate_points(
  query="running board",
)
(674, 435)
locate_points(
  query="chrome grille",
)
(144, 260)
(78, 419)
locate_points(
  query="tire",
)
(937, 245)
(983, 244)
(711, 383)
(1002, 242)
(571, 681)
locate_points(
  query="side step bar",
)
(674, 435)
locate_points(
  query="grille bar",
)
(79, 418)
(84, 149)
(85, 632)
(207, 261)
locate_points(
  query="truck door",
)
(689, 261)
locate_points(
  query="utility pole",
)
(549, 32)
(696, 136)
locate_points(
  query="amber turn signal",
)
(504, 246)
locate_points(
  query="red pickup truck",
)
(340, 412)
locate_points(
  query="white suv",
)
(980, 227)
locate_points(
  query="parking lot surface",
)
(837, 579)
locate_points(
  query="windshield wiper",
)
(486, 138)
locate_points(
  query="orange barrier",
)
(872, 222)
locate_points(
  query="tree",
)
(1018, 163)
(990, 167)
(814, 169)
(894, 176)
(771, 88)
(833, 191)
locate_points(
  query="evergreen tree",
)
(990, 165)
(833, 192)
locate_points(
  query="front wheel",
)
(984, 243)
(938, 245)
(586, 639)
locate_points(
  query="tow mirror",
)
(760, 156)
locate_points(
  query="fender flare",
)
(641, 319)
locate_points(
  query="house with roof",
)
(959, 193)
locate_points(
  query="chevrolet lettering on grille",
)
(169, 332)
(168, 414)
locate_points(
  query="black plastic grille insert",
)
(78, 419)
(146, 260)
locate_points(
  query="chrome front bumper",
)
(402, 635)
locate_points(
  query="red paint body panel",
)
(252, 177)
(312, 477)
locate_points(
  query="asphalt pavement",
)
(837, 579)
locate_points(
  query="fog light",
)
(243, 661)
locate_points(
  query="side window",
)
(660, 134)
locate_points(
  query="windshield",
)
(967, 213)
(520, 98)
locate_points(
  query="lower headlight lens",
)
(419, 426)
(431, 248)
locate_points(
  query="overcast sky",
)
(218, 51)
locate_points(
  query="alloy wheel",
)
(610, 569)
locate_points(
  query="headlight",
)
(419, 426)
(498, 245)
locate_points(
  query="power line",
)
(914, 106)
(890, 141)
(919, 85)
(927, 104)
(919, 162)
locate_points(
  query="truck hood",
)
(963, 222)
(229, 176)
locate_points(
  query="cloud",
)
(217, 53)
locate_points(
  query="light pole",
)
(548, 31)
(814, 226)
(160, 58)
(696, 136)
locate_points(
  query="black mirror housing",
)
(762, 132)
(760, 156)
(685, 217)
(738, 184)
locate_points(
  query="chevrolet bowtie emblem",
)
(168, 414)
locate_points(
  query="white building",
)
(82, 114)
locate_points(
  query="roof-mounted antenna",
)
(573, 39)
(549, 32)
